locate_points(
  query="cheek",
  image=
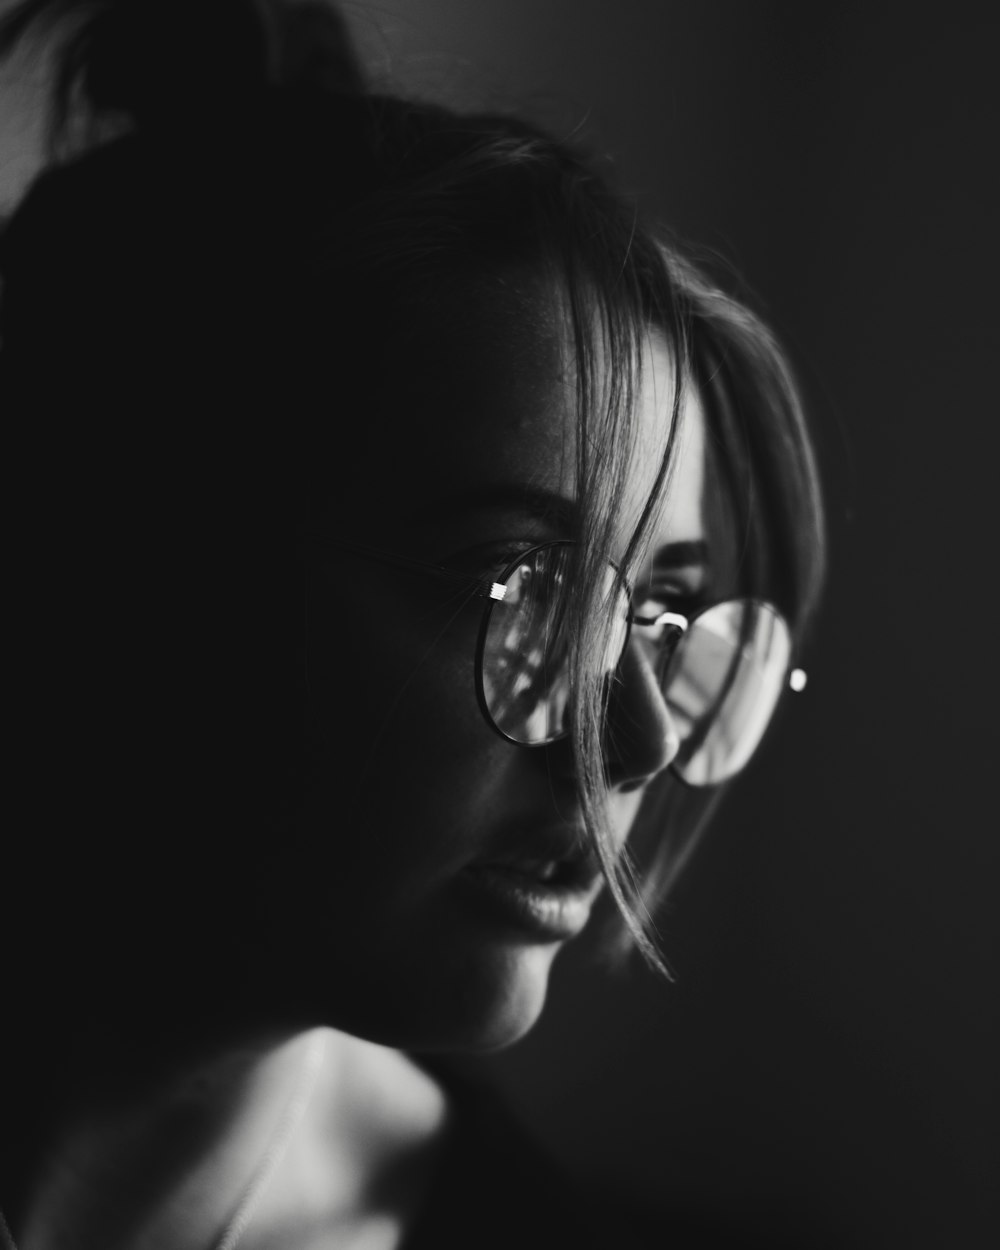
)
(622, 812)
(404, 765)
(389, 678)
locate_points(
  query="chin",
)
(471, 1001)
(509, 999)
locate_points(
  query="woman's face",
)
(421, 811)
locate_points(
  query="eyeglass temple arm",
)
(480, 586)
(797, 677)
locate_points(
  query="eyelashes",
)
(665, 597)
(491, 559)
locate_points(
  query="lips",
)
(542, 888)
(574, 871)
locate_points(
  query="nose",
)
(641, 737)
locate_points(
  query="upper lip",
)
(532, 848)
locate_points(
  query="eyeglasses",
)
(721, 672)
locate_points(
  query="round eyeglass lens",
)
(524, 646)
(721, 685)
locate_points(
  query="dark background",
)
(827, 1062)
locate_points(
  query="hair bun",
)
(160, 62)
(159, 59)
(313, 48)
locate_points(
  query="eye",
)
(489, 560)
(652, 601)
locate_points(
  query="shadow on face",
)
(215, 654)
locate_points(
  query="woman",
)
(404, 529)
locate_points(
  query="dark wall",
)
(827, 1059)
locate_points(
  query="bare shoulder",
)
(367, 1156)
(400, 1103)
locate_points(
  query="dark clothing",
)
(497, 1188)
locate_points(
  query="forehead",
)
(679, 517)
(681, 514)
(475, 411)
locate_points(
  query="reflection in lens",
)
(721, 687)
(525, 650)
(524, 669)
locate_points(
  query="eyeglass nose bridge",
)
(675, 622)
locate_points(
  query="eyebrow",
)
(537, 501)
(549, 505)
(681, 554)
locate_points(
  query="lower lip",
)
(550, 912)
